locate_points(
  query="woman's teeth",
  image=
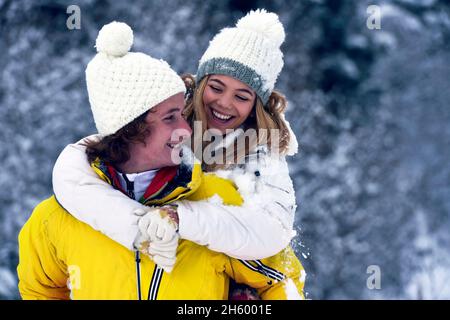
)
(221, 116)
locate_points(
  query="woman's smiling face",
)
(227, 101)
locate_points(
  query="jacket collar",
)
(169, 184)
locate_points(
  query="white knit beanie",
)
(249, 52)
(123, 85)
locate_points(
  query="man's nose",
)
(184, 131)
(187, 127)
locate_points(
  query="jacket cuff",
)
(188, 221)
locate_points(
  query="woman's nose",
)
(224, 102)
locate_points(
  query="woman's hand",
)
(158, 236)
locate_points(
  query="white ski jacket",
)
(260, 228)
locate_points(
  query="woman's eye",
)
(242, 98)
(169, 118)
(216, 89)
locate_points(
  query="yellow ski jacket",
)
(61, 257)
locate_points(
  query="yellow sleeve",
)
(280, 277)
(41, 274)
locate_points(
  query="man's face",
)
(163, 120)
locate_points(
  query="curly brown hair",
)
(115, 148)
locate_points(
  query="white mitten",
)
(158, 237)
(156, 224)
(164, 254)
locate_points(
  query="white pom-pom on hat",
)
(123, 85)
(266, 23)
(115, 39)
(250, 52)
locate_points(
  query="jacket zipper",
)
(138, 274)
(130, 186)
(158, 271)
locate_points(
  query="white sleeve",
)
(260, 228)
(91, 200)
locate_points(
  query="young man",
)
(137, 103)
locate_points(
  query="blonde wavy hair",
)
(268, 117)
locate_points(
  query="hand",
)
(158, 224)
(164, 254)
(158, 237)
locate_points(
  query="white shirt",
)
(136, 183)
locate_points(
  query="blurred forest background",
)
(370, 107)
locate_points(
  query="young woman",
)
(233, 89)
